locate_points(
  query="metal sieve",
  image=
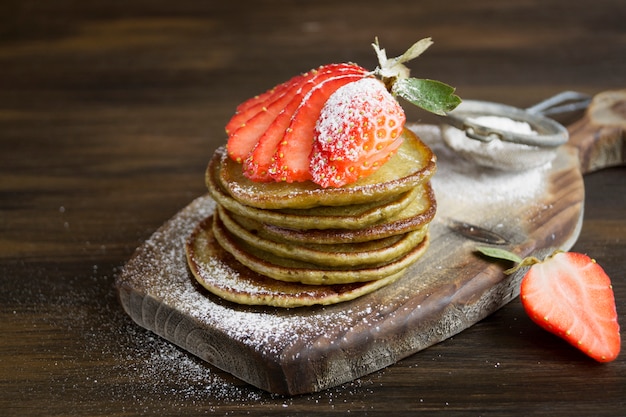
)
(500, 148)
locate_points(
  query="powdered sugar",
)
(504, 123)
(162, 272)
(498, 153)
(349, 111)
(464, 188)
(348, 107)
(355, 133)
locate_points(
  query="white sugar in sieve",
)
(508, 138)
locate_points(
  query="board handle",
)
(600, 135)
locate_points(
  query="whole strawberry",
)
(570, 295)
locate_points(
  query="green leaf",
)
(433, 96)
(499, 254)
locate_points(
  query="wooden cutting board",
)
(294, 351)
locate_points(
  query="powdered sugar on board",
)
(311, 349)
(160, 269)
(460, 184)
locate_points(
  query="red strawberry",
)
(291, 160)
(570, 295)
(258, 165)
(246, 110)
(272, 134)
(255, 115)
(358, 131)
(259, 99)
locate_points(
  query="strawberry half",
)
(266, 161)
(358, 130)
(570, 295)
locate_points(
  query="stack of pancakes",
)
(293, 244)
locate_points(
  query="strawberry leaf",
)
(433, 96)
(499, 254)
(504, 254)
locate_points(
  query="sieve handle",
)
(564, 102)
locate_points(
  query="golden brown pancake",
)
(420, 212)
(290, 270)
(413, 164)
(374, 252)
(293, 244)
(221, 274)
(353, 216)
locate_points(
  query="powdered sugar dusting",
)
(355, 133)
(339, 114)
(464, 188)
(497, 153)
(163, 274)
(504, 123)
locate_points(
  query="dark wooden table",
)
(109, 112)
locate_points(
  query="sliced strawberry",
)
(359, 129)
(246, 110)
(243, 140)
(570, 295)
(247, 127)
(249, 108)
(255, 115)
(258, 166)
(259, 118)
(259, 99)
(291, 159)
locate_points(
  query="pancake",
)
(413, 164)
(419, 213)
(290, 270)
(352, 216)
(374, 252)
(263, 231)
(296, 244)
(221, 274)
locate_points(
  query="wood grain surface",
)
(448, 290)
(108, 114)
